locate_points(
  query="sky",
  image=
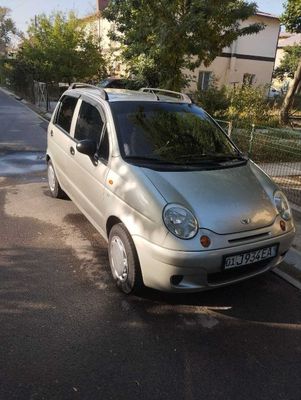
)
(24, 10)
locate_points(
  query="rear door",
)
(60, 140)
(88, 174)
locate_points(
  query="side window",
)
(65, 114)
(89, 123)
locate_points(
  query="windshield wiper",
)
(147, 159)
(211, 157)
(229, 157)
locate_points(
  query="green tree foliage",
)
(7, 28)
(58, 49)
(291, 18)
(289, 62)
(164, 37)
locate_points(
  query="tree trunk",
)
(288, 101)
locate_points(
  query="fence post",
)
(230, 127)
(47, 98)
(251, 140)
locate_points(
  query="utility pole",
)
(98, 20)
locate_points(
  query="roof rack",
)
(78, 85)
(184, 97)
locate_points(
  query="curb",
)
(287, 278)
(289, 267)
(295, 207)
(8, 92)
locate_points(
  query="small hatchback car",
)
(181, 207)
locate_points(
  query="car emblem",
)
(245, 221)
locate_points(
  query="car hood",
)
(225, 201)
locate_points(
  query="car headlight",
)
(282, 205)
(180, 221)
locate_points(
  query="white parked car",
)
(181, 208)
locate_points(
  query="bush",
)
(249, 105)
(245, 105)
(214, 100)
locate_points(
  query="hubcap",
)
(51, 178)
(119, 260)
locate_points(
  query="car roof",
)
(118, 95)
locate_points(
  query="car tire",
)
(54, 186)
(124, 262)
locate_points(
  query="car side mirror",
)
(87, 147)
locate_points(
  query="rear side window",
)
(89, 123)
(65, 114)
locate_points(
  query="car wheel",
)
(54, 186)
(124, 260)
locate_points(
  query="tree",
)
(289, 62)
(7, 28)
(165, 37)
(58, 49)
(291, 18)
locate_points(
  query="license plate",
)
(250, 257)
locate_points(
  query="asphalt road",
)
(67, 333)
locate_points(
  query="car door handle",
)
(72, 151)
(51, 133)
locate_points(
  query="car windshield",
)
(171, 134)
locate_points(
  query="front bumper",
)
(163, 268)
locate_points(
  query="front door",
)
(89, 173)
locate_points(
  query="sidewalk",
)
(33, 107)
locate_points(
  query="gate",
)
(41, 95)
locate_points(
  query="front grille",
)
(236, 273)
(252, 237)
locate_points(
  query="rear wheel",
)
(54, 186)
(124, 260)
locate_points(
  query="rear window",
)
(65, 113)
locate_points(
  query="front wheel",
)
(124, 260)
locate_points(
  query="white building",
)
(286, 39)
(249, 59)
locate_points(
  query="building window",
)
(248, 79)
(204, 80)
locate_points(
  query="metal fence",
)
(47, 95)
(277, 152)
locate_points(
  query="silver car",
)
(181, 208)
